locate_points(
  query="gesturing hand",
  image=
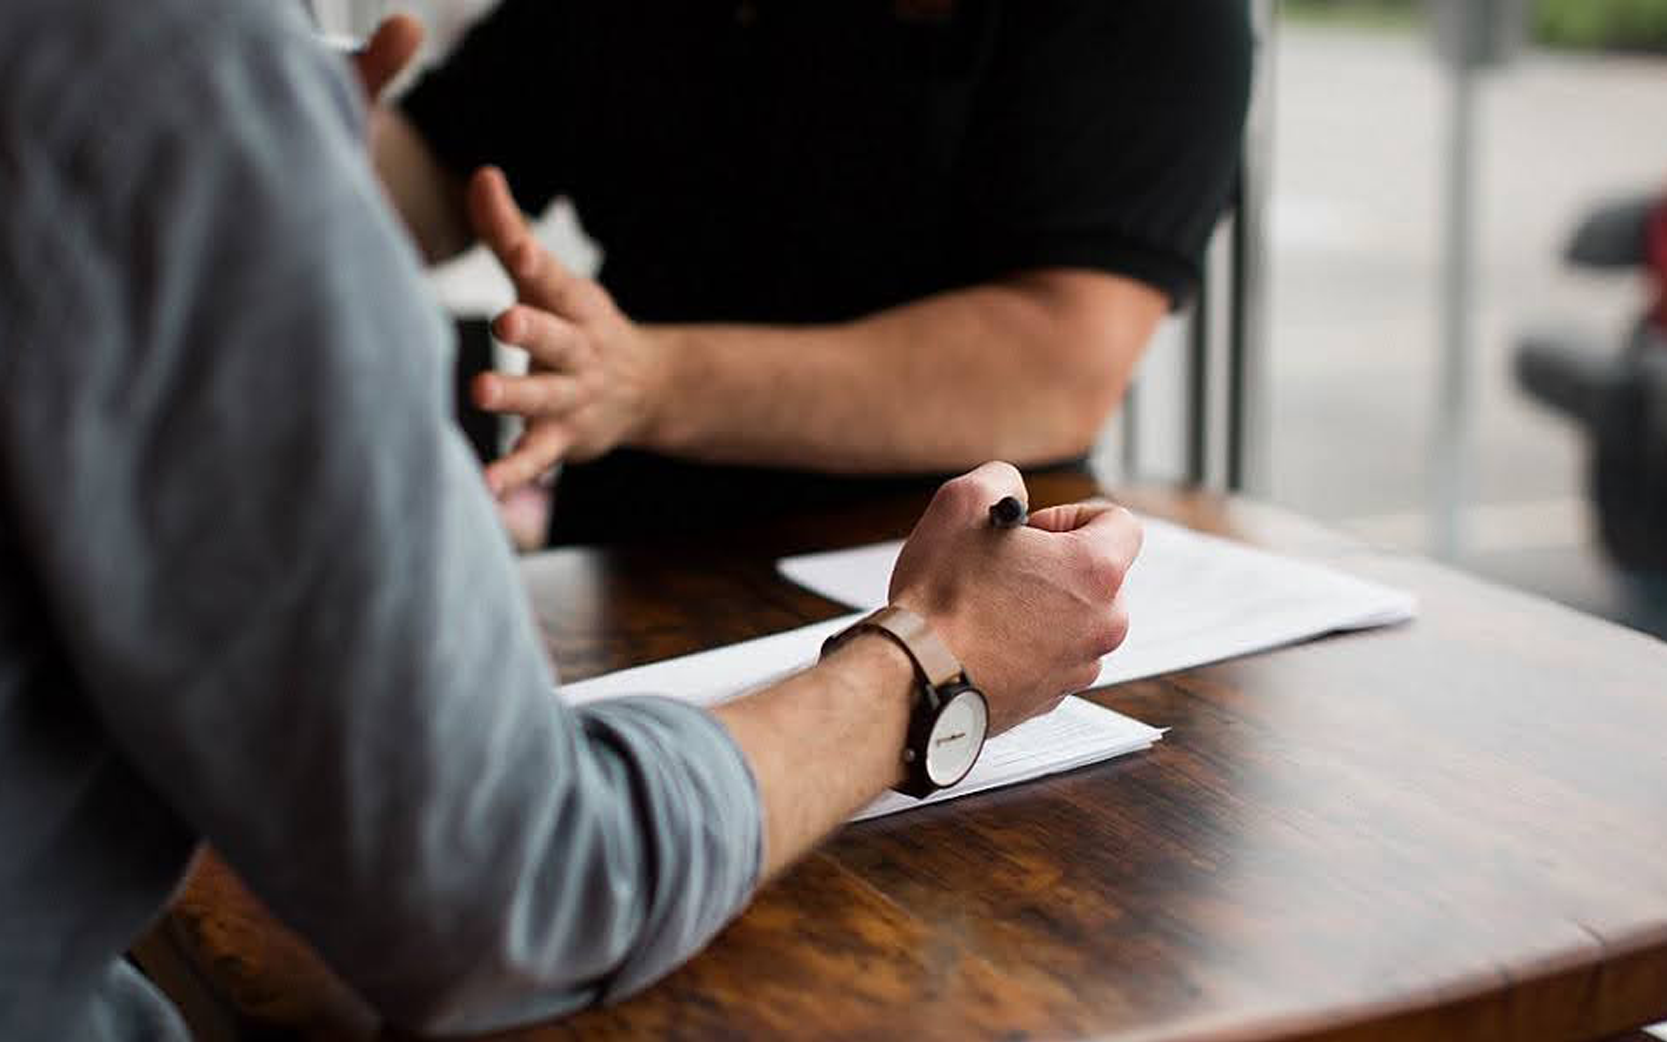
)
(1028, 611)
(595, 376)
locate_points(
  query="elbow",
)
(1087, 408)
(1083, 358)
(492, 988)
(1075, 407)
(660, 848)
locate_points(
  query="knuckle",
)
(1000, 472)
(1108, 573)
(1114, 631)
(996, 479)
(553, 334)
(537, 323)
(959, 493)
(1132, 532)
(1098, 569)
(1133, 524)
(523, 257)
(575, 296)
(1108, 566)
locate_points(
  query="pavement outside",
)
(1360, 131)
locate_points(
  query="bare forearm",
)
(824, 743)
(428, 198)
(1019, 370)
(1025, 368)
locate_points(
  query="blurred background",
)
(1361, 346)
(1575, 118)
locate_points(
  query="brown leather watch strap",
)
(936, 663)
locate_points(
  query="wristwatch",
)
(949, 719)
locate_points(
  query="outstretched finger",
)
(540, 395)
(539, 449)
(539, 278)
(551, 341)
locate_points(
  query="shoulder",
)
(1134, 39)
(81, 71)
(126, 127)
(1175, 69)
(143, 146)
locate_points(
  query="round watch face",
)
(957, 736)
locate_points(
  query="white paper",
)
(1076, 734)
(1192, 598)
(709, 677)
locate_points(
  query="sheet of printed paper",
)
(1076, 734)
(1192, 598)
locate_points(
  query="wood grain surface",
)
(1451, 829)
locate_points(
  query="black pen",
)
(1009, 512)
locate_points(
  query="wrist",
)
(666, 352)
(949, 716)
(872, 668)
(880, 664)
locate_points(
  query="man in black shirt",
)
(844, 242)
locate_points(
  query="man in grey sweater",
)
(252, 589)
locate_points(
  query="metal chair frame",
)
(1225, 442)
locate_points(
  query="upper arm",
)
(1106, 137)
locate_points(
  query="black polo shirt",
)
(800, 161)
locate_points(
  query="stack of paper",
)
(1193, 599)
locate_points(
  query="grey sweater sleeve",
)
(277, 572)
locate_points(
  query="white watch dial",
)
(956, 738)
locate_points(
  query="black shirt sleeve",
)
(1107, 136)
(472, 109)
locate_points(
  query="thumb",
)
(1112, 530)
(386, 54)
(1072, 516)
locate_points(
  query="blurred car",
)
(1618, 395)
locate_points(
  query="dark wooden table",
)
(1451, 829)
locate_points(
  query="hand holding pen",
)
(1027, 602)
